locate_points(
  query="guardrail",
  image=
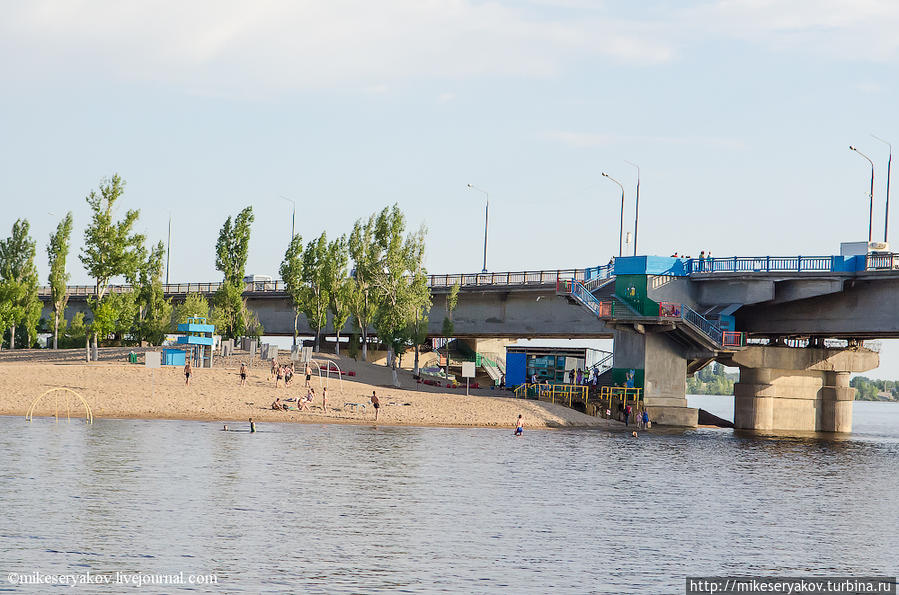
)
(553, 392)
(760, 264)
(580, 293)
(546, 277)
(625, 394)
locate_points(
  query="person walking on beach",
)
(243, 374)
(274, 367)
(187, 373)
(308, 375)
(627, 415)
(325, 398)
(645, 419)
(519, 428)
(376, 403)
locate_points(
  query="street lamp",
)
(871, 209)
(486, 219)
(637, 205)
(168, 250)
(886, 216)
(621, 224)
(293, 217)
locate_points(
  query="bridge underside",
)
(520, 313)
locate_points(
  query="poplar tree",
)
(339, 286)
(154, 312)
(316, 298)
(292, 275)
(19, 283)
(231, 259)
(366, 256)
(449, 328)
(57, 252)
(111, 249)
(399, 282)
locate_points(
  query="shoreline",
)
(115, 389)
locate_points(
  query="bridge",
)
(795, 326)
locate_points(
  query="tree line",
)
(373, 276)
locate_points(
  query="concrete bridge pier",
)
(659, 366)
(790, 389)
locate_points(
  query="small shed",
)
(173, 357)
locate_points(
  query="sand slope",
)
(117, 389)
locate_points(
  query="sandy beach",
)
(117, 389)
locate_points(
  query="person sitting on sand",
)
(278, 405)
(303, 402)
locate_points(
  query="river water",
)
(310, 508)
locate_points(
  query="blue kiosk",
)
(198, 341)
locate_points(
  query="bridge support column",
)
(660, 367)
(790, 389)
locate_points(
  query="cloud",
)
(849, 30)
(302, 44)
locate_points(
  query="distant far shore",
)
(116, 389)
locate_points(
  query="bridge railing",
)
(576, 289)
(760, 264)
(546, 277)
(881, 262)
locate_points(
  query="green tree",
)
(292, 275)
(231, 252)
(339, 286)
(154, 312)
(315, 286)
(57, 252)
(111, 248)
(398, 280)
(449, 329)
(114, 315)
(75, 333)
(195, 305)
(233, 246)
(19, 283)
(366, 258)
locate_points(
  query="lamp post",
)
(293, 217)
(486, 220)
(168, 250)
(886, 216)
(621, 224)
(871, 208)
(636, 205)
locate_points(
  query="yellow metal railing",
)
(607, 393)
(562, 393)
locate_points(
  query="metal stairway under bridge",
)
(687, 326)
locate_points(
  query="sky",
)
(739, 114)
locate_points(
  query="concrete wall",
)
(479, 313)
(865, 308)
